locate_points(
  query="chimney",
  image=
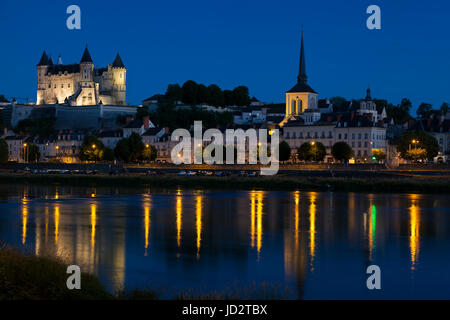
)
(352, 116)
(146, 121)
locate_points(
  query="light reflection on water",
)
(318, 244)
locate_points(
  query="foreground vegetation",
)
(25, 276)
(436, 184)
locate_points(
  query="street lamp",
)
(25, 152)
(57, 153)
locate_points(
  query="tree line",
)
(192, 93)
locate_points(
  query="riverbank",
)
(27, 277)
(24, 276)
(431, 184)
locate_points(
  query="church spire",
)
(368, 96)
(302, 78)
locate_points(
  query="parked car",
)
(182, 173)
(243, 174)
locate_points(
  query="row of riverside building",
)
(363, 125)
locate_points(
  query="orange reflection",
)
(312, 227)
(297, 215)
(93, 222)
(252, 218)
(198, 222)
(147, 207)
(56, 222)
(259, 214)
(24, 219)
(414, 235)
(256, 215)
(179, 209)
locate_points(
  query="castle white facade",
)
(80, 84)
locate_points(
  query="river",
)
(307, 245)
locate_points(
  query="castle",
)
(80, 84)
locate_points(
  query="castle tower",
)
(301, 97)
(42, 67)
(119, 73)
(88, 94)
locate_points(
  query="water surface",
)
(313, 245)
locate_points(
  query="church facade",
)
(80, 84)
(361, 125)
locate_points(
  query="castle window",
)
(68, 85)
(62, 86)
(49, 86)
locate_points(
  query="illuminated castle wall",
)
(80, 84)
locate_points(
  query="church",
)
(80, 84)
(362, 125)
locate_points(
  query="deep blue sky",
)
(229, 43)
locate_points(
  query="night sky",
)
(231, 43)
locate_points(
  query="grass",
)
(364, 184)
(24, 276)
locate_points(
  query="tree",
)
(122, 150)
(399, 113)
(92, 149)
(378, 155)
(42, 127)
(216, 97)
(303, 153)
(341, 151)
(136, 147)
(339, 104)
(130, 149)
(284, 151)
(444, 108)
(202, 94)
(416, 154)
(314, 151)
(190, 91)
(4, 152)
(150, 153)
(228, 98)
(174, 92)
(417, 139)
(32, 153)
(142, 112)
(424, 110)
(318, 151)
(241, 96)
(108, 154)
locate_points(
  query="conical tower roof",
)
(86, 58)
(44, 59)
(118, 62)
